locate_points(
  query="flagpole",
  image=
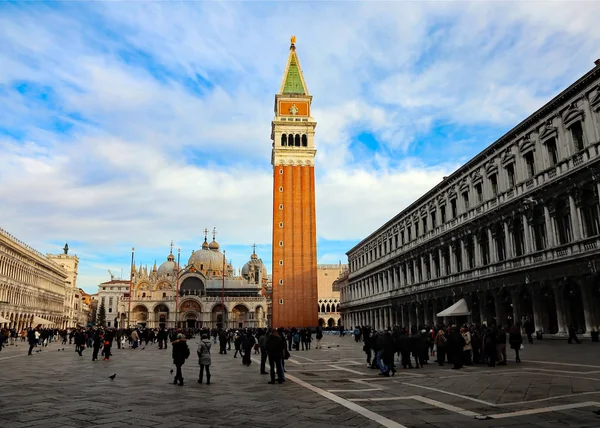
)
(223, 293)
(177, 293)
(130, 287)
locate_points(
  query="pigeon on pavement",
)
(112, 377)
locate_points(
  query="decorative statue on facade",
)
(66, 249)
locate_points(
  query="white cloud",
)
(156, 158)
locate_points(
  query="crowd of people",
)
(457, 345)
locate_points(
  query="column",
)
(469, 299)
(442, 264)
(423, 268)
(413, 316)
(549, 229)
(477, 249)
(415, 270)
(463, 255)
(536, 303)
(516, 305)
(404, 316)
(492, 245)
(560, 309)
(526, 234)
(585, 286)
(452, 258)
(575, 222)
(483, 317)
(427, 313)
(500, 315)
(396, 283)
(434, 312)
(508, 241)
(432, 266)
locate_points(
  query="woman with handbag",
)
(204, 358)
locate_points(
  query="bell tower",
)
(294, 214)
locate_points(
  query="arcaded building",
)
(515, 232)
(329, 293)
(34, 288)
(294, 217)
(206, 292)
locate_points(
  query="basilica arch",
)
(239, 315)
(139, 314)
(192, 285)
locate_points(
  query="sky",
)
(132, 124)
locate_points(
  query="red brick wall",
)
(299, 251)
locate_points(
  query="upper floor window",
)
(530, 162)
(443, 213)
(510, 173)
(453, 208)
(424, 224)
(416, 229)
(552, 152)
(479, 192)
(465, 197)
(409, 237)
(433, 218)
(577, 135)
(494, 184)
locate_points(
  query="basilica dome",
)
(205, 260)
(253, 265)
(169, 267)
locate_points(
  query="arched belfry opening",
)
(304, 140)
(284, 140)
(297, 140)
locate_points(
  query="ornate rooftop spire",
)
(293, 79)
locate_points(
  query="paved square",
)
(556, 384)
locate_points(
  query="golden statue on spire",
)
(293, 40)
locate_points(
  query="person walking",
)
(319, 336)
(181, 352)
(573, 335)
(204, 358)
(515, 339)
(275, 349)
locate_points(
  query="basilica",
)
(206, 292)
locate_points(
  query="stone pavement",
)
(557, 384)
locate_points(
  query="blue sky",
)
(134, 124)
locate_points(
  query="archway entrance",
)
(191, 320)
(139, 315)
(239, 316)
(161, 315)
(321, 322)
(330, 322)
(219, 316)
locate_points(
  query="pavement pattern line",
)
(479, 416)
(355, 390)
(562, 364)
(375, 417)
(487, 403)
(543, 410)
(549, 398)
(347, 370)
(559, 375)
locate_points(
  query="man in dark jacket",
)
(456, 343)
(181, 352)
(275, 348)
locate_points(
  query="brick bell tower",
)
(294, 217)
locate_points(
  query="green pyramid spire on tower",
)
(293, 82)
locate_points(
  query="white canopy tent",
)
(37, 321)
(458, 309)
(3, 320)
